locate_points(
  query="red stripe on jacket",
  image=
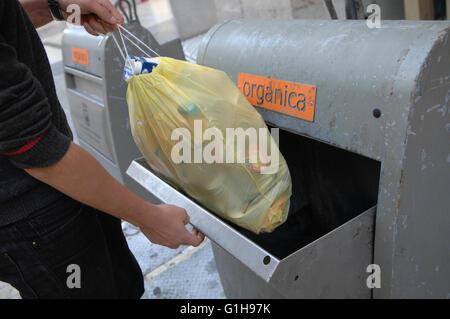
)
(27, 146)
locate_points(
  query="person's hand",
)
(97, 16)
(166, 225)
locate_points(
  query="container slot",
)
(330, 187)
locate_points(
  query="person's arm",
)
(97, 16)
(81, 177)
(30, 141)
(37, 11)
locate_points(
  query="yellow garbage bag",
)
(182, 115)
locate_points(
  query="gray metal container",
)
(96, 92)
(383, 94)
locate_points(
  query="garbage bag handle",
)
(121, 28)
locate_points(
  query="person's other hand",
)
(166, 225)
(97, 16)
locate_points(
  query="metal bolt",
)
(376, 113)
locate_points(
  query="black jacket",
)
(33, 127)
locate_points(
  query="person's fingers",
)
(173, 246)
(89, 29)
(198, 233)
(113, 11)
(193, 239)
(109, 27)
(96, 25)
(84, 19)
(102, 11)
(187, 219)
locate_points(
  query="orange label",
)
(80, 56)
(294, 99)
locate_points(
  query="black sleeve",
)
(25, 116)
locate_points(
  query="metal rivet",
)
(266, 260)
(376, 113)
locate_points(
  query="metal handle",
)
(331, 9)
(253, 256)
(130, 15)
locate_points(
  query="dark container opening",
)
(330, 186)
